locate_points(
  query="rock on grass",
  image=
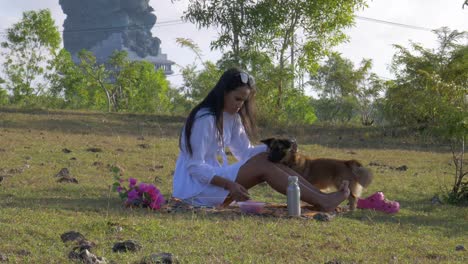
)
(128, 245)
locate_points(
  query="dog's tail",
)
(363, 175)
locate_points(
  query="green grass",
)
(35, 210)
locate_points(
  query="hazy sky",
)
(368, 38)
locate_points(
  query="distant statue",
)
(102, 26)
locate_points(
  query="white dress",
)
(193, 173)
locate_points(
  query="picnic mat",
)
(270, 210)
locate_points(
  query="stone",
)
(324, 217)
(159, 258)
(86, 257)
(65, 150)
(94, 150)
(402, 168)
(72, 236)
(435, 200)
(460, 248)
(3, 257)
(64, 172)
(85, 244)
(23, 252)
(128, 245)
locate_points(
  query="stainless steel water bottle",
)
(294, 196)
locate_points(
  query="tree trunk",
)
(280, 84)
(459, 174)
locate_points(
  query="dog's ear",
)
(267, 141)
(293, 145)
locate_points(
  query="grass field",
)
(35, 209)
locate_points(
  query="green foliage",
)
(197, 84)
(336, 110)
(345, 91)
(459, 197)
(430, 84)
(270, 26)
(3, 97)
(294, 108)
(72, 84)
(297, 109)
(144, 88)
(40, 75)
(3, 94)
(336, 78)
(118, 85)
(30, 45)
(431, 92)
(231, 17)
(368, 95)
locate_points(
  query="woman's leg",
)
(258, 169)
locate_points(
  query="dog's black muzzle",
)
(275, 157)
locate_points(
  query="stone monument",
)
(102, 26)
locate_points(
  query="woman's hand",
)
(237, 191)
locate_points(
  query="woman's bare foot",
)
(335, 199)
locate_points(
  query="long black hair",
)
(214, 103)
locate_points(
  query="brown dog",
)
(322, 173)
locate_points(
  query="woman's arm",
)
(236, 191)
(202, 139)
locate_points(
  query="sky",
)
(377, 27)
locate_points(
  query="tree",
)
(369, 87)
(3, 94)
(336, 78)
(117, 85)
(272, 25)
(197, 83)
(430, 91)
(230, 17)
(71, 83)
(30, 45)
(97, 78)
(139, 87)
(416, 96)
(345, 90)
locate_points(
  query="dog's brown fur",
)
(323, 173)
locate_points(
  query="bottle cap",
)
(292, 179)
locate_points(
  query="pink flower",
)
(144, 195)
(132, 195)
(157, 203)
(132, 182)
(143, 187)
(153, 192)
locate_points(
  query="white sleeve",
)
(240, 146)
(203, 135)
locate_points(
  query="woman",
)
(225, 118)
